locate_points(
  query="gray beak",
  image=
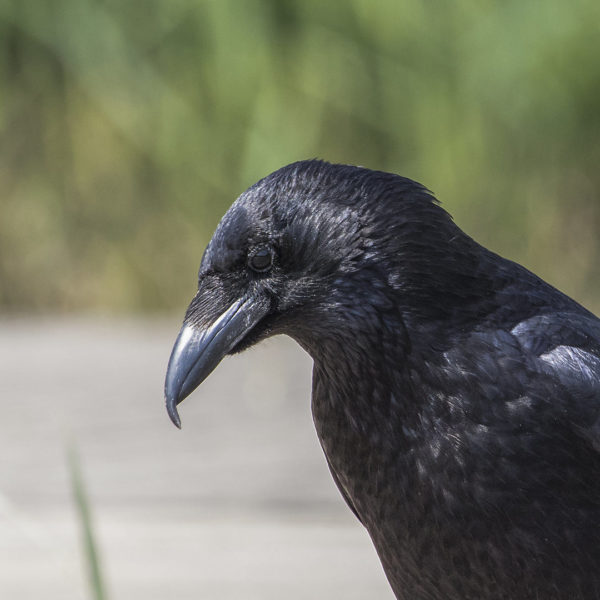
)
(199, 350)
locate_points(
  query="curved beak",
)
(199, 350)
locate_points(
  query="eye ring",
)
(261, 259)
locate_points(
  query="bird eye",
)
(261, 260)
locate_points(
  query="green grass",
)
(89, 546)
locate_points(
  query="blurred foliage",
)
(128, 127)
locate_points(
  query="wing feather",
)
(567, 346)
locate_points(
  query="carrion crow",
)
(455, 394)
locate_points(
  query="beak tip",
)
(174, 414)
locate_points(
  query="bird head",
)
(310, 249)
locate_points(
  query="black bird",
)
(455, 394)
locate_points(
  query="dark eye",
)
(261, 260)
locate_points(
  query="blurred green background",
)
(128, 127)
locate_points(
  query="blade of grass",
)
(92, 558)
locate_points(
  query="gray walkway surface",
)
(239, 505)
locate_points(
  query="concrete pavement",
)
(238, 505)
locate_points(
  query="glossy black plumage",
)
(455, 394)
